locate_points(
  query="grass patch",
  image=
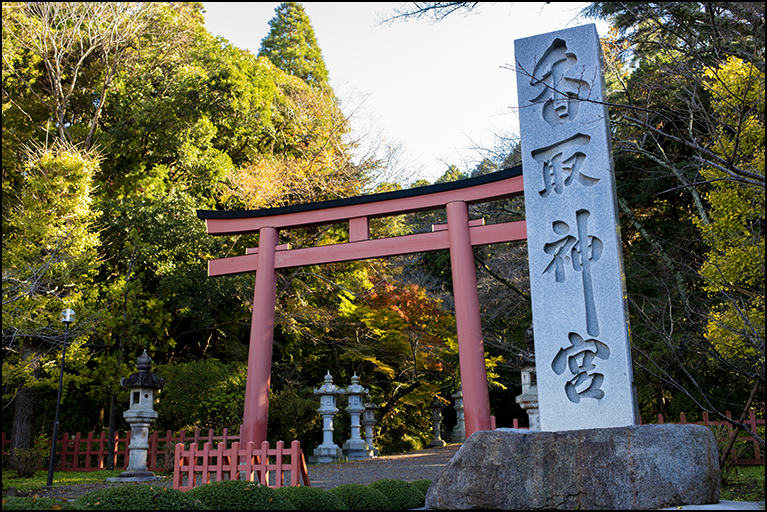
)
(60, 478)
(745, 483)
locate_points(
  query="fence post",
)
(178, 461)
(264, 463)
(89, 451)
(151, 453)
(219, 454)
(76, 452)
(279, 481)
(295, 464)
(301, 462)
(64, 443)
(205, 478)
(102, 442)
(193, 454)
(251, 474)
(234, 460)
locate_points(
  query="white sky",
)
(434, 87)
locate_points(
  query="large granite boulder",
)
(636, 467)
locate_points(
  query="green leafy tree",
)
(683, 81)
(81, 47)
(733, 270)
(292, 46)
(50, 262)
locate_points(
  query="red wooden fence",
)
(195, 467)
(90, 453)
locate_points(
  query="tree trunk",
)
(23, 427)
(23, 430)
(111, 444)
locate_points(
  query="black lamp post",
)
(67, 317)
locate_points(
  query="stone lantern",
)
(436, 418)
(356, 448)
(368, 421)
(327, 451)
(143, 387)
(528, 400)
(459, 431)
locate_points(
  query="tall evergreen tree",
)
(292, 46)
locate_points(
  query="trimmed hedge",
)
(387, 494)
(239, 495)
(311, 498)
(401, 494)
(422, 485)
(137, 497)
(22, 503)
(361, 497)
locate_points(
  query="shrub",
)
(361, 497)
(422, 485)
(239, 495)
(27, 461)
(401, 494)
(311, 498)
(137, 497)
(34, 504)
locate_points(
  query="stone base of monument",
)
(356, 449)
(624, 468)
(325, 454)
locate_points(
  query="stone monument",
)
(356, 448)
(528, 400)
(591, 453)
(328, 451)
(580, 317)
(143, 386)
(436, 419)
(368, 421)
(459, 431)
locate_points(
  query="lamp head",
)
(67, 316)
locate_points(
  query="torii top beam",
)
(357, 211)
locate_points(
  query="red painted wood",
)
(365, 249)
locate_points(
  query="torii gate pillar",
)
(256, 413)
(471, 352)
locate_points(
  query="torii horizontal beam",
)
(365, 249)
(458, 235)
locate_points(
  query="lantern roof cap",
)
(143, 378)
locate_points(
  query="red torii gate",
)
(459, 235)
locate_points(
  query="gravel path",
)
(420, 465)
